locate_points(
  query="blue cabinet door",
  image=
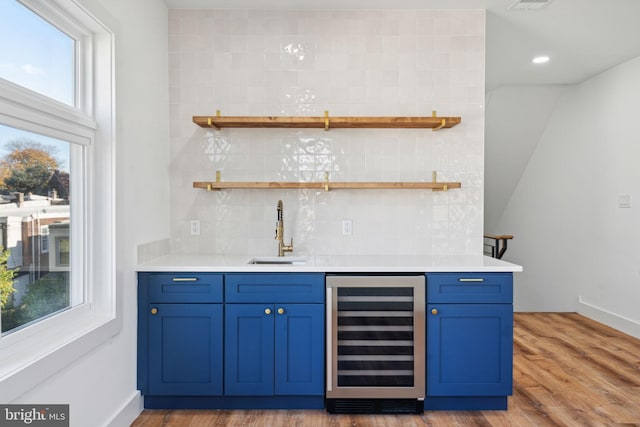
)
(185, 349)
(299, 349)
(274, 349)
(469, 349)
(249, 349)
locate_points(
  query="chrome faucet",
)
(282, 248)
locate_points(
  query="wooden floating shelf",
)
(219, 122)
(326, 186)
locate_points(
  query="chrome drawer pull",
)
(471, 280)
(185, 279)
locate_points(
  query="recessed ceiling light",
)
(540, 59)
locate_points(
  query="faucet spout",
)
(282, 248)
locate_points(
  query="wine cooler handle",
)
(329, 367)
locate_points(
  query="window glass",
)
(44, 238)
(35, 54)
(35, 209)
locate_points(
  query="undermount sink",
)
(278, 260)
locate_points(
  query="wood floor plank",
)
(568, 371)
(591, 376)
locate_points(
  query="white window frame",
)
(30, 355)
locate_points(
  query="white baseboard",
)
(621, 323)
(128, 412)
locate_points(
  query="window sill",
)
(31, 359)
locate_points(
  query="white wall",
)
(516, 117)
(572, 238)
(377, 63)
(101, 384)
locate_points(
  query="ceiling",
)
(582, 37)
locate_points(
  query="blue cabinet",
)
(469, 340)
(299, 350)
(274, 348)
(257, 340)
(209, 340)
(249, 350)
(185, 342)
(197, 288)
(274, 287)
(180, 334)
(469, 349)
(470, 288)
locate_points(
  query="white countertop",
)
(333, 264)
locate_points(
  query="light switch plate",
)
(624, 201)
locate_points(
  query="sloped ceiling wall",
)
(516, 118)
(580, 248)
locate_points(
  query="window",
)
(60, 259)
(35, 186)
(33, 165)
(39, 56)
(56, 187)
(62, 252)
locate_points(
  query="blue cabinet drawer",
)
(182, 287)
(280, 288)
(470, 287)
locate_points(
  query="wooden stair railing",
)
(499, 245)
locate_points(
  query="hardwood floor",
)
(568, 371)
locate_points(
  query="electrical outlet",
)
(347, 227)
(195, 227)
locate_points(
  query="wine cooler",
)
(375, 343)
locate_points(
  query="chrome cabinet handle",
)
(471, 280)
(185, 279)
